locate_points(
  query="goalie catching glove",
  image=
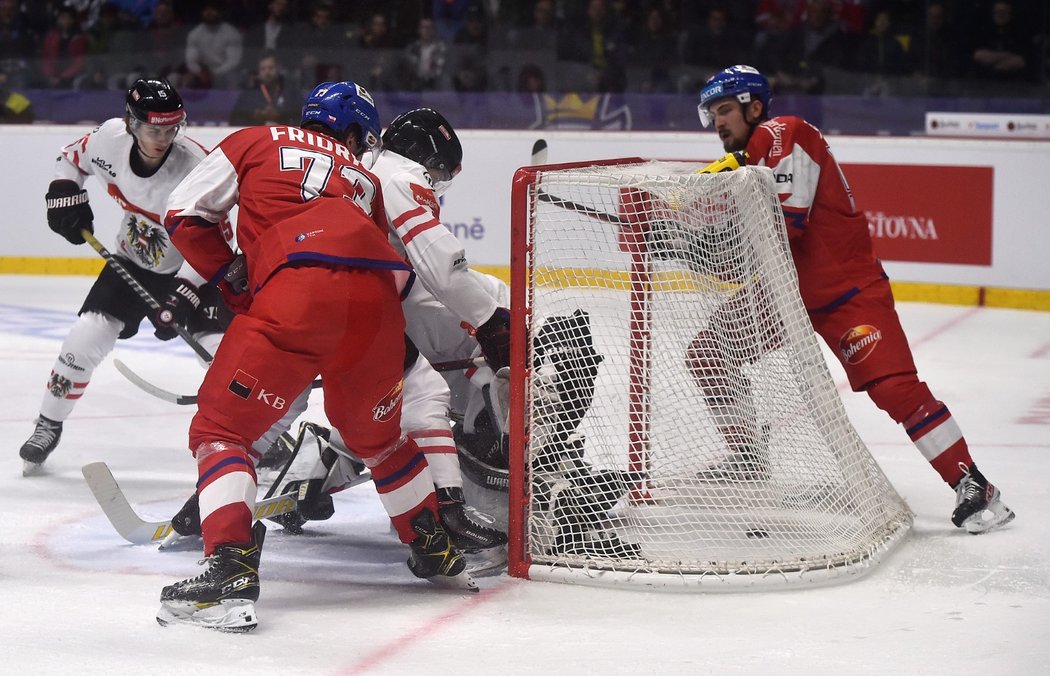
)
(176, 310)
(494, 338)
(729, 162)
(68, 211)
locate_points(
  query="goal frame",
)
(524, 199)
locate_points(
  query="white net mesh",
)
(714, 445)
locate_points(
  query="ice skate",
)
(978, 508)
(223, 596)
(40, 445)
(435, 558)
(742, 466)
(469, 529)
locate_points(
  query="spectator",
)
(797, 58)
(473, 31)
(321, 44)
(165, 41)
(213, 51)
(774, 19)
(18, 42)
(64, 51)
(425, 59)
(376, 34)
(541, 34)
(274, 33)
(593, 39)
(531, 79)
(449, 17)
(936, 48)
(140, 10)
(655, 50)
(714, 43)
(266, 101)
(1004, 50)
(881, 52)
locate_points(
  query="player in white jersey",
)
(140, 158)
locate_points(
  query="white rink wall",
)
(477, 207)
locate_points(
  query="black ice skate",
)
(223, 596)
(746, 463)
(435, 558)
(469, 529)
(40, 444)
(313, 504)
(978, 508)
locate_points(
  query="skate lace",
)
(44, 435)
(967, 489)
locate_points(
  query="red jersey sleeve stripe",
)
(421, 228)
(407, 216)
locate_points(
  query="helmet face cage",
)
(425, 136)
(339, 106)
(743, 83)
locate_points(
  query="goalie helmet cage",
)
(616, 488)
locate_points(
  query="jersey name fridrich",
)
(320, 141)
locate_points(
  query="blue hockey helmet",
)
(743, 83)
(339, 105)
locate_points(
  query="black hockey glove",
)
(176, 309)
(68, 211)
(494, 338)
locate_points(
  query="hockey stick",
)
(142, 292)
(137, 530)
(161, 393)
(539, 152)
(458, 364)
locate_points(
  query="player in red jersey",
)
(844, 288)
(322, 297)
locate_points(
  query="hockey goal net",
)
(673, 421)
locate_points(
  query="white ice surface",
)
(76, 599)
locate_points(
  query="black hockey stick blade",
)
(539, 152)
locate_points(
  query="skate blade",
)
(32, 468)
(226, 616)
(486, 562)
(990, 518)
(461, 582)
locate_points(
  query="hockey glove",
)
(494, 338)
(234, 286)
(68, 210)
(729, 162)
(176, 309)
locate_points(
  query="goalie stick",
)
(138, 531)
(142, 292)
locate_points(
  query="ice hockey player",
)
(846, 293)
(140, 158)
(420, 156)
(323, 297)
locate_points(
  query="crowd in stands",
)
(273, 50)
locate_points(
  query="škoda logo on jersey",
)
(389, 403)
(858, 343)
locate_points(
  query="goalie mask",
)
(424, 135)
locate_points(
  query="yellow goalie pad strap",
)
(728, 162)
